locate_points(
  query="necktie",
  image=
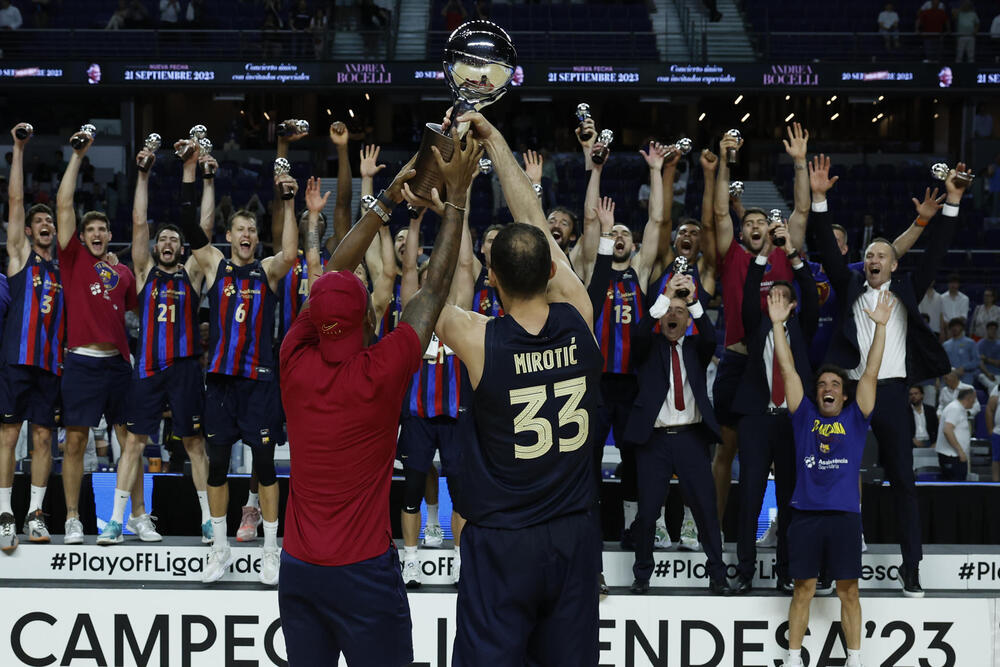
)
(777, 381)
(678, 383)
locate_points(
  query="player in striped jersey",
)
(485, 298)
(32, 350)
(167, 372)
(242, 396)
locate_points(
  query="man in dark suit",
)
(912, 353)
(925, 419)
(766, 429)
(672, 425)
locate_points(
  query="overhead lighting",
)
(875, 119)
(880, 116)
(266, 116)
(367, 96)
(745, 117)
(881, 97)
(328, 113)
(788, 97)
(701, 117)
(351, 112)
(829, 102)
(789, 116)
(835, 116)
(739, 99)
(833, 99)
(936, 115)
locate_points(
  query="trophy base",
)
(428, 176)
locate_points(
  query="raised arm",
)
(649, 250)
(667, 177)
(370, 167)
(277, 209)
(796, 146)
(779, 308)
(206, 255)
(65, 211)
(868, 383)
(464, 283)
(942, 234)
(410, 280)
(383, 281)
(142, 261)
(723, 219)
(342, 208)
(821, 231)
(598, 288)
(279, 264)
(207, 222)
(314, 204)
(926, 210)
(591, 226)
(706, 268)
(18, 246)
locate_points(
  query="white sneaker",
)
(770, 536)
(662, 537)
(143, 527)
(73, 532)
(433, 535)
(270, 563)
(456, 569)
(864, 546)
(8, 533)
(411, 573)
(689, 536)
(218, 564)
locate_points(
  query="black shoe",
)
(742, 587)
(909, 577)
(719, 587)
(824, 587)
(785, 585)
(602, 588)
(627, 543)
(640, 587)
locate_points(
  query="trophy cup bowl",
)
(940, 171)
(582, 114)
(485, 165)
(775, 216)
(292, 127)
(479, 61)
(731, 153)
(681, 267)
(78, 142)
(205, 148)
(600, 153)
(281, 167)
(736, 189)
(152, 144)
(683, 146)
(24, 131)
(198, 132)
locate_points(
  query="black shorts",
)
(29, 393)
(420, 437)
(727, 380)
(92, 387)
(180, 387)
(238, 408)
(824, 541)
(618, 393)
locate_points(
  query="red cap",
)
(338, 303)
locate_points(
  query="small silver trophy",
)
(185, 148)
(78, 142)
(292, 127)
(152, 144)
(24, 131)
(681, 268)
(198, 132)
(775, 216)
(582, 114)
(485, 165)
(281, 167)
(736, 189)
(732, 152)
(941, 170)
(600, 153)
(205, 148)
(683, 146)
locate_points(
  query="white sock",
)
(206, 514)
(409, 553)
(853, 657)
(432, 515)
(219, 533)
(794, 656)
(5, 500)
(253, 500)
(631, 510)
(118, 513)
(270, 534)
(37, 496)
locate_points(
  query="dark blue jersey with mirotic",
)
(241, 322)
(35, 327)
(535, 412)
(485, 298)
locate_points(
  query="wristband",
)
(799, 264)
(606, 246)
(950, 210)
(371, 204)
(454, 206)
(386, 201)
(819, 206)
(920, 222)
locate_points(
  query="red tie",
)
(777, 381)
(675, 363)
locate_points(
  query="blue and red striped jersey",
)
(436, 389)
(241, 322)
(293, 291)
(35, 329)
(390, 318)
(485, 298)
(623, 308)
(168, 321)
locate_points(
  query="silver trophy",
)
(479, 62)
(24, 131)
(731, 152)
(152, 144)
(293, 127)
(281, 167)
(485, 165)
(736, 189)
(680, 268)
(775, 216)
(600, 153)
(683, 146)
(198, 132)
(78, 142)
(582, 114)
(941, 170)
(185, 148)
(205, 148)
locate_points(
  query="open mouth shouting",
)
(557, 235)
(828, 400)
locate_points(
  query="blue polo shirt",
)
(828, 458)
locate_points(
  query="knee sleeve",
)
(263, 464)
(413, 490)
(218, 464)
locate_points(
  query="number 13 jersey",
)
(534, 409)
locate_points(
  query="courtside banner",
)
(673, 569)
(226, 628)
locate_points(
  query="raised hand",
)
(655, 154)
(779, 307)
(314, 200)
(931, 204)
(293, 186)
(205, 160)
(819, 175)
(295, 136)
(587, 125)
(13, 134)
(87, 140)
(679, 281)
(606, 214)
(797, 142)
(883, 308)
(779, 230)
(141, 156)
(188, 147)
(728, 141)
(533, 166)
(954, 191)
(422, 203)
(338, 133)
(709, 161)
(459, 170)
(369, 161)
(481, 128)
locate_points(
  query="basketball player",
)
(535, 374)
(32, 349)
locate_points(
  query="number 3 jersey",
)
(241, 322)
(623, 308)
(34, 330)
(534, 409)
(168, 321)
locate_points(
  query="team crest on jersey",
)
(484, 303)
(229, 268)
(109, 277)
(36, 280)
(154, 293)
(823, 289)
(229, 290)
(297, 269)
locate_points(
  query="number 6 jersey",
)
(534, 408)
(241, 322)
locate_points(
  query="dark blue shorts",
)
(538, 607)
(727, 380)
(238, 408)
(359, 610)
(420, 437)
(29, 393)
(180, 387)
(94, 386)
(824, 541)
(995, 439)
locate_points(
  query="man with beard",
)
(97, 366)
(241, 394)
(167, 371)
(485, 298)
(32, 350)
